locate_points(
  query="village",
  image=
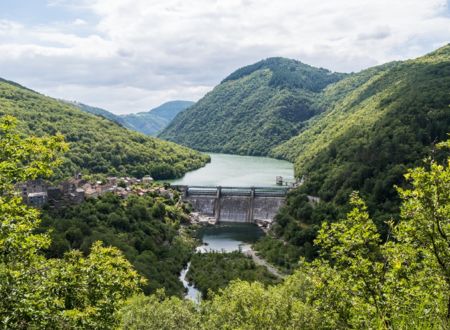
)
(38, 193)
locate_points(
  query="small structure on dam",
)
(235, 204)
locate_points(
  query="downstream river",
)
(236, 171)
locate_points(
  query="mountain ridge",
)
(253, 109)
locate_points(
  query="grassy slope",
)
(97, 145)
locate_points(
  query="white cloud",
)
(140, 53)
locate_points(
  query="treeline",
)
(147, 229)
(290, 74)
(215, 270)
(97, 145)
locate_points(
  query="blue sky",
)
(131, 55)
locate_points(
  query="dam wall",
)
(235, 204)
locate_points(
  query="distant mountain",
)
(149, 122)
(153, 121)
(169, 110)
(97, 145)
(254, 109)
(99, 112)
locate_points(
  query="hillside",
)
(154, 121)
(145, 228)
(99, 112)
(378, 123)
(97, 145)
(254, 109)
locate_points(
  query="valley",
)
(289, 195)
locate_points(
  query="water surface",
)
(238, 171)
(228, 237)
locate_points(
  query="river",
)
(235, 171)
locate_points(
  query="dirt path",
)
(260, 261)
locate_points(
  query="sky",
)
(132, 55)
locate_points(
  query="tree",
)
(158, 312)
(353, 247)
(57, 293)
(426, 217)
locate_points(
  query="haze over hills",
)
(100, 112)
(155, 120)
(97, 145)
(148, 122)
(254, 109)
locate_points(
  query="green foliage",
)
(145, 228)
(378, 123)
(158, 312)
(97, 145)
(212, 271)
(37, 293)
(279, 253)
(357, 282)
(254, 109)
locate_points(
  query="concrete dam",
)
(235, 204)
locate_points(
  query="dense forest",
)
(215, 270)
(97, 145)
(145, 228)
(380, 122)
(358, 281)
(254, 109)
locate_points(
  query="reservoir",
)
(238, 171)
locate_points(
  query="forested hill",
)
(154, 121)
(97, 145)
(99, 112)
(379, 122)
(254, 109)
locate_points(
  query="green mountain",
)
(153, 121)
(97, 145)
(378, 123)
(254, 109)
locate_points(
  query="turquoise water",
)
(228, 237)
(238, 171)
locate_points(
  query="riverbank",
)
(232, 257)
(248, 250)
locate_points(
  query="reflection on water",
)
(228, 237)
(238, 171)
